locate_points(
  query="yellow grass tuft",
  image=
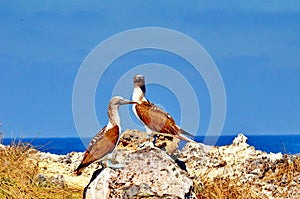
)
(225, 188)
(287, 176)
(284, 177)
(18, 176)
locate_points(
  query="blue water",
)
(289, 144)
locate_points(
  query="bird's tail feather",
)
(79, 169)
(183, 137)
(186, 133)
(78, 172)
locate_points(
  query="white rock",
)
(275, 156)
(2, 147)
(240, 139)
(148, 171)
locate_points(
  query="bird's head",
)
(117, 101)
(139, 81)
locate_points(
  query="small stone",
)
(41, 177)
(2, 147)
(58, 180)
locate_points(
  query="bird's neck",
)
(113, 115)
(138, 95)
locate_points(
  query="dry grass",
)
(225, 188)
(286, 174)
(18, 176)
(283, 177)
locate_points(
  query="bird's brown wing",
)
(157, 119)
(97, 137)
(102, 144)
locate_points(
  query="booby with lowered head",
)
(156, 120)
(101, 147)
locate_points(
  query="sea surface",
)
(289, 144)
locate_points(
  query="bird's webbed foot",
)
(149, 143)
(109, 164)
(154, 139)
(145, 144)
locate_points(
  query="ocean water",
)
(289, 144)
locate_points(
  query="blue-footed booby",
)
(156, 120)
(101, 147)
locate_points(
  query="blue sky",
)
(255, 45)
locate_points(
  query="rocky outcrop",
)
(53, 167)
(164, 172)
(243, 165)
(133, 139)
(148, 172)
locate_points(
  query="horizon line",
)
(246, 134)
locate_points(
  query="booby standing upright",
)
(104, 143)
(156, 120)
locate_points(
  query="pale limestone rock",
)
(151, 171)
(2, 147)
(133, 139)
(241, 139)
(58, 167)
(100, 185)
(275, 156)
(241, 161)
(148, 172)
